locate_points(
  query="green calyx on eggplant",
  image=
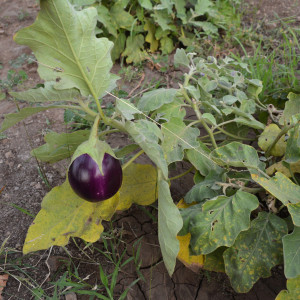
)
(95, 174)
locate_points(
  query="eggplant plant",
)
(242, 216)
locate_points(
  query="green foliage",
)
(255, 252)
(146, 25)
(293, 292)
(231, 179)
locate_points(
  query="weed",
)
(275, 67)
(22, 60)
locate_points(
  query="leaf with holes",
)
(238, 155)
(73, 53)
(220, 222)
(255, 252)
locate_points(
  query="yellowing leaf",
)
(64, 214)
(150, 37)
(280, 187)
(135, 49)
(279, 167)
(193, 262)
(267, 138)
(139, 186)
(293, 292)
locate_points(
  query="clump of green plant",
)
(242, 214)
(13, 78)
(274, 60)
(138, 27)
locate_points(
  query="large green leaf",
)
(203, 6)
(60, 145)
(169, 224)
(105, 18)
(180, 10)
(119, 46)
(64, 214)
(47, 93)
(173, 109)
(145, 4)
(238, 155)
(65, 45)
(181, 58)
(126, 108)
(200, 158)
(292, 153)
(220, 222)
(121, 17)
(177, 137)
(145, 134)
(155, 99)
(205, 189)
(14, 118)
(293, 292)
(139, 186)
(255, 252)
(280, 187)
(291, 253)
(294, 210)
(164, 20)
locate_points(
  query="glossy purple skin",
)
(87, 181)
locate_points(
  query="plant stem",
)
(86, 108)
(102, 133)
(132, 159)
(182, 174)
(243, 188)
(233, 135)
(208, 130)
(283, 131)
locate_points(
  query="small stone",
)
(19, 166)
(8, 154)
(16, 188)
(71, 296)
(38, 186)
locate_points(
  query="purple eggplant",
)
(87, 181)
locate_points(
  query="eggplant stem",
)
(132, 160)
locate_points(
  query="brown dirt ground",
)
(25, 188)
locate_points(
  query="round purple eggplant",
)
(87, 181)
